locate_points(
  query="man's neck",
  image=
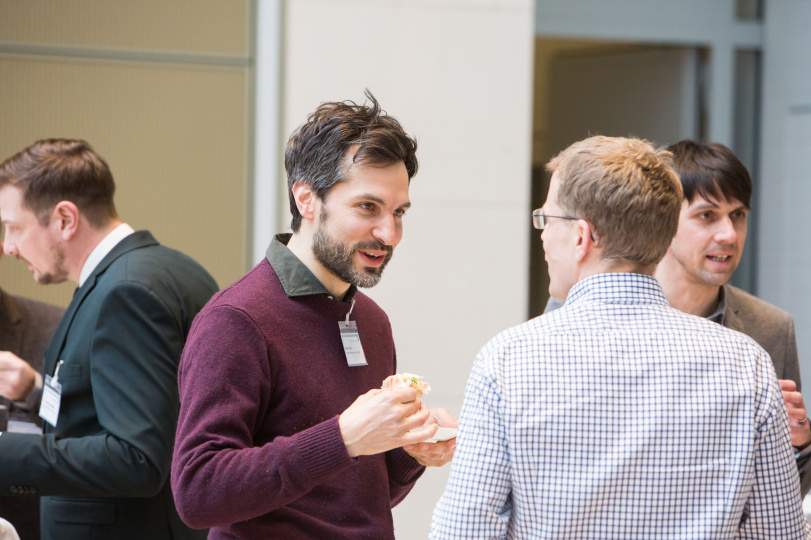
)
(84, 243)
(609, 266)
(689, 297)
(301, 246)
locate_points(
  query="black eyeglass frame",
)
(539, 220)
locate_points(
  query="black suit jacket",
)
(103, 470)
(26, 327)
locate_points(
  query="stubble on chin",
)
(59, 273)
(339, 259)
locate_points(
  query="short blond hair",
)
(627, 190)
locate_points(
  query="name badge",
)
(351, 341)
(21, 426)
(51, 400)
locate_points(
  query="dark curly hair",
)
(316, 151)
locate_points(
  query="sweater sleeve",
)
(218, 475)
(404, 471)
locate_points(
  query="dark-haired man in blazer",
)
(109, 400)
(696, 270)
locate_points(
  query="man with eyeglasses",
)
(618, 416)
(696, 270)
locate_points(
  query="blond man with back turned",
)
(618, 416)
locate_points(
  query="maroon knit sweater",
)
(259, 453)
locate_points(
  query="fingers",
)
(793, 399)
(17, 378)
(798, 418)
(414, 436)
(432, 454)
(444, 418)
(795, 407)
(419, 419)
(381, 420)
(437, 448)
(787, 385)
(10, 360)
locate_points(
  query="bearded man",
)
(284, 431)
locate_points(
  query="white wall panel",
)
(458, 75)
(785, 192)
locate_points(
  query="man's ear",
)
(65, 217)
(584, 239)
(305, 200)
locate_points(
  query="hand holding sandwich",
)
(381, 420)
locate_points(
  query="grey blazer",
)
(773, 329)
(770, 326)
(26, 327)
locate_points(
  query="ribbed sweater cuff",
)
(403, 469)
(323, 450)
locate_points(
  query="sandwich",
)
(406, 380)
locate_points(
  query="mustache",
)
(723, 247)
(376, 246)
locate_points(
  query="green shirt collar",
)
(296, 278)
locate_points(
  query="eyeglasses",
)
(541, 220)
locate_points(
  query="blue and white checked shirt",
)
(618, 416)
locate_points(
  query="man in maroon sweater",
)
(273, 440)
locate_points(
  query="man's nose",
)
(387, 231)
(726, 232)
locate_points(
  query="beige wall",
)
(211, 26)
(161, 90)
(458, 75)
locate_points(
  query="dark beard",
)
(337, 257)
(58, 273)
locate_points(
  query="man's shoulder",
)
(536, 329)
(255, 288)
(573, 322)
(744, 304)
(151, 257)
(365, 303)
(771, 327)
(153, 264)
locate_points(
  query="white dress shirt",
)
(100, 251)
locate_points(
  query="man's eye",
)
(399, 213)
(367, 206)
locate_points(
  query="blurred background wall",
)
(162, 91)
(191, 102)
